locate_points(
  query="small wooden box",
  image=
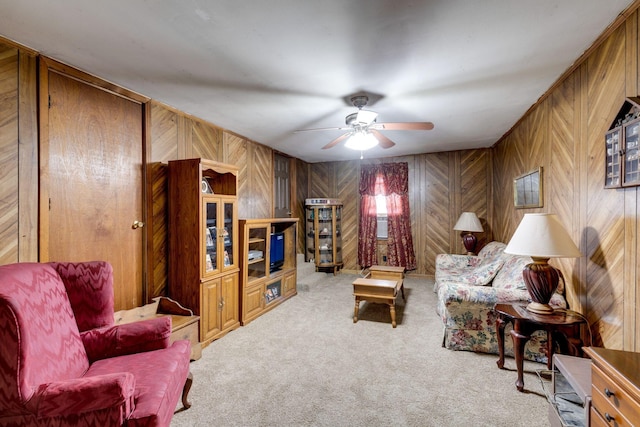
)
(386, 273)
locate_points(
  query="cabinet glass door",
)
(325, 235)
(631, 154)
(256, 265)
(612, 143)
(227, 234)
(211, 236)
(310, 235)
(338, 233)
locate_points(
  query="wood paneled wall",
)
(564, 133)
(441, 186)
(175, 135)
(9, 155)
(18, 156)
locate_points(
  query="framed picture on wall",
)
(527, 190)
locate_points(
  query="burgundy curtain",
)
(392, 181)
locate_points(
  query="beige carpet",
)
(306, 363)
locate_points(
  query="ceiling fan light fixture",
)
(361, 141)
(366, 117)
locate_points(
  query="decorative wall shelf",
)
(622, 152)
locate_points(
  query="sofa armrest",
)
(128, 338)
(84, 394)
(455, 299)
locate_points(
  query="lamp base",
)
(541, 281)
(469, 240)
(538, 308)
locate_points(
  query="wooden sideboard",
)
(615, 376)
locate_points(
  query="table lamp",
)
(467, 224)
(541, 236)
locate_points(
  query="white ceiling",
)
(264, 68)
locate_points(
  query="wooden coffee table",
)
(562, 326)
(378, 291)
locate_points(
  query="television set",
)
(276, 256)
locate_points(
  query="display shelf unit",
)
(203, 243)
(323, 233)
(267, 264)
(622, 149)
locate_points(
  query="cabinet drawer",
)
(596, 420)
(618, 405)
(188, 332)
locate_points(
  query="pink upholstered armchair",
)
(63, 362)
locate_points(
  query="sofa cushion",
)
(492, 249)
(510, 275)
(482, 275)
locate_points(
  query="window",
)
(381, 213)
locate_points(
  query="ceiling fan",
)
(363, 131)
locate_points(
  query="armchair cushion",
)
(89, 288)
(118, 340)
(159, 380)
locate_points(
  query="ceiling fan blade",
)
(317, 129)
(383, 140)
(403, 126)
(337, 141)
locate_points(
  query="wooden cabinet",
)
(203, 243)
(267, 264)
(323, 231)
(622, 152)
(615, 376)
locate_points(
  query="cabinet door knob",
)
(137, 224)
(608, 417)
(608, 392)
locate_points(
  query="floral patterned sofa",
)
(468, 288)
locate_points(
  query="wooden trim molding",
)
(74, 73)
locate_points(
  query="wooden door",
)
(281, 187)
(93, 174)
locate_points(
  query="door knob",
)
(137, 224)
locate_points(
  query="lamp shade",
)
(468, 221)
(542, 235)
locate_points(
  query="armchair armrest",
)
(128, 338)
(84, 394)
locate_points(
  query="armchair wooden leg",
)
(185, 391)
